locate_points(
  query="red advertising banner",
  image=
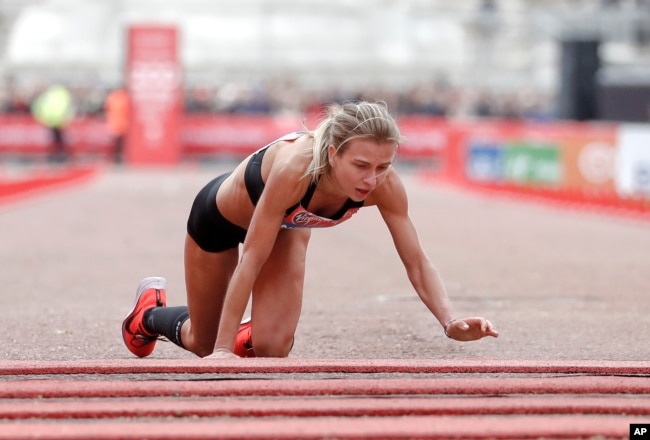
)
(232, 135)
(426, 137)
(240, 135)
(22, 135)
(153, 75)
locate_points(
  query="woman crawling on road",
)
(270, 202)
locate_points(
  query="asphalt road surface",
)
(557, 283)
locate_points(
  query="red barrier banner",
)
(236, 135)
(426, 137)
(22, 134)
(205, 135)
(592, 160)
(154, 83)
(564, 155)
(240, 135)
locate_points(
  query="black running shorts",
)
(209, 229)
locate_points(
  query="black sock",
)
(167, 321)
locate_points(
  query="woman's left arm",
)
(392, 202)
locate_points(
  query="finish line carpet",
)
(344, 399)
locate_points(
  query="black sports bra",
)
(296, 216)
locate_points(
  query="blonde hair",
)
(345, 122)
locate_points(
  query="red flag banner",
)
(154, 83)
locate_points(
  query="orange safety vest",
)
(117, 111)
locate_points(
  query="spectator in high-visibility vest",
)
(117, 107)
(54, 109)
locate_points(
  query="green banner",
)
(537, 164)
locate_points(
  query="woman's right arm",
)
(283, 188)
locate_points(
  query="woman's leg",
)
(207, 275)
(277, 295)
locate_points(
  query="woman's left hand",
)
(469, 329)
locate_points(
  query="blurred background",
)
(472, 58)
(547, 96)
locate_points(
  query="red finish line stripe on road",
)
(43, 180)
(268, 365)
(319, 407)
(423, 427)
(320, 387)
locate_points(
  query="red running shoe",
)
(243, 342)
(151, 293)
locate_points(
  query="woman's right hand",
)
(222, 353)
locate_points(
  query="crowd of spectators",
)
(435, 99)
(286, 97)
